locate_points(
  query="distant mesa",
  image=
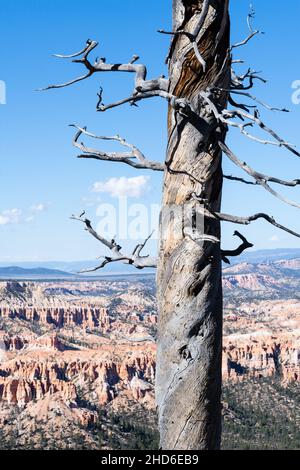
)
(17, 272)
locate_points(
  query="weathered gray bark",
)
(188, 382)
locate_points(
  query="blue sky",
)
(42, 183)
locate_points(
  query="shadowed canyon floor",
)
(77, 361)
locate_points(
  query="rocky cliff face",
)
(264, 357)
(254, 282)
(86, 317)
(14, 343)
(69, 349)
(23, 380)
(262, 339)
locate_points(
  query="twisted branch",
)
(155, 87)
(135, 259)
(134, 157)
(100, 65)
(252, 32)
(224, 116)
(239, 250)
(252, 97)
(247, 220)
(240, 180)
(237, 81)
(246, 40)
(241, 220)
(261, 178)
(144, 89)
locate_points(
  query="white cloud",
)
(39, 207)
(274, 239)
(10, 216)
(17, 216)
(3, 220)
(117, 187)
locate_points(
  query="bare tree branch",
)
(138, 249)
(242, 220)
(106, 260)
(252, 33)
(180, 105)
(253, 98)
(239, 105)
(127, 157)
(135, 259)
(241, 180)
(143, 88)
(237, 81)
(260, 178)
(90, 45)
(256, 120)
(247, 220)
(238, 251)
(71, 82)
(100, 65)
(254, 173)
(139, 96)
(262, 103)
(246, 40)
(225, 115)
(134, 158)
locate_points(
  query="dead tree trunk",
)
(188, 382)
